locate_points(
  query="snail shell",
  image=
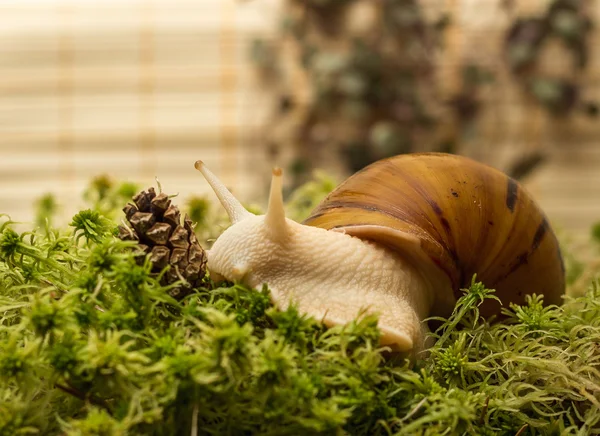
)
(452, 217)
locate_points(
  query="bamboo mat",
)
(138, 89)
(133, 89)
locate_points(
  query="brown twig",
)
(522, 429)
(83, 397)
(484, 411)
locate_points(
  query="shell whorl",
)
(459, 216)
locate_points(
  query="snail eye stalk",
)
(235, 210)
(275, 218)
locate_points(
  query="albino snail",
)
(399, 238)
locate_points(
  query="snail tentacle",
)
(275, 217)
(235, 210)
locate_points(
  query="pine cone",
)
(156, 225)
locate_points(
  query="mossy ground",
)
(91, 344)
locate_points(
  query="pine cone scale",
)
(143, 200)
(179, 238)
(196, 256)
(159, 233)
(160, 204)
(172, 216)
(159, 256)
(129, 210)
(142, 221)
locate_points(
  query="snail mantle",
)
(399, 238)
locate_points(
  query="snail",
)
(399, 238)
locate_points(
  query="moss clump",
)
(91, 343)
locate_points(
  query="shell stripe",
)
(512, 193)
(561, 259)
(448, 230)
(438, 211)
(523, 258)
(539, 234)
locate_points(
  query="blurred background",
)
(141, 89)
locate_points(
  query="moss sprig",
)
(91, 343)
(28, 258)
(90, 225)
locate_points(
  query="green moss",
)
(91, 344)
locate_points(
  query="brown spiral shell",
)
(453, 217)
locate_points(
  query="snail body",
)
(399, 238)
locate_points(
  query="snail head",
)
(252, 242)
